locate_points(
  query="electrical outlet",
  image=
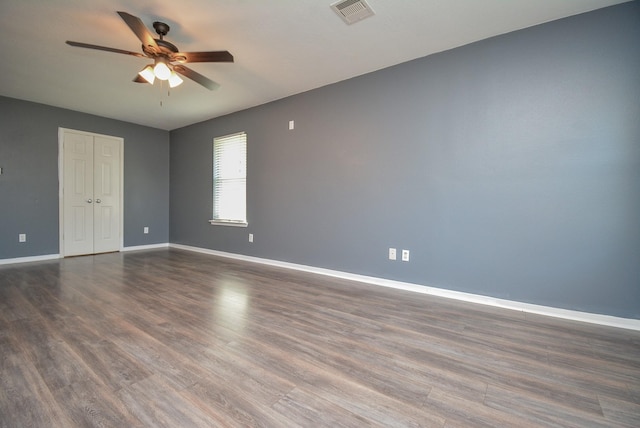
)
(405, 255)
(251, 237)
(392, 254)
(22, 237)
(146, 229)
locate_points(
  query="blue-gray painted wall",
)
(509, 168)
(29, 183)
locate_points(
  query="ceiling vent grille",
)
(352, 10)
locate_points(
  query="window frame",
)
(230, 139)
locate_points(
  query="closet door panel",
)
(78, 194)
(107, 194)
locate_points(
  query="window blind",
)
(230, 179)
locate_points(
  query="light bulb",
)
(147, 74)
(174, 80)
(161, 70)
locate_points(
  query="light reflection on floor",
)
(232, 305)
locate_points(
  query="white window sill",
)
(228, 223)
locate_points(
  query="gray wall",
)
(509, 167)
(29, 184)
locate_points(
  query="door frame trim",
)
(61, 132)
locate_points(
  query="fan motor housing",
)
(161, 28)
(164, 47)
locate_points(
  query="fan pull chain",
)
(162, 92)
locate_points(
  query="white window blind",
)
(230, 180)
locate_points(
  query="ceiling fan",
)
(167, 59)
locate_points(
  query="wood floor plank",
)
(53, 358)
(174, 338)
(157, 404)
(459, 412)
(230, 405)
(634, 392)
(621, 411)
(334, 385)
(541, 411)
(114, 367)
(310, 410)
(25, 400)
(461, 364)
(586, 373)
(379, 374)
(156, 357)
(89, 403)
(14, 307)
(107, 361)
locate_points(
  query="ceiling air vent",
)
(352, 10)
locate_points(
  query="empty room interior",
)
(317, 213)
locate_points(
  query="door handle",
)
(98, 201)
(89, 200)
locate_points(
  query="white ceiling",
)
(281, 47)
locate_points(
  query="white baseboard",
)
(605, 320)
(29, 259)
(146, 247)
(57, 256)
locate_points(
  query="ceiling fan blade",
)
(104, 48)
(139, 79)
(214, 56)
(139, 29)
(196, 77)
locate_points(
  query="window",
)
(230, 180)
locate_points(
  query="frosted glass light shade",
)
(161, 70)
(174, 80)
(147, 74)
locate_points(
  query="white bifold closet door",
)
(91, 193)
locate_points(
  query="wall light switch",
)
(291, 124)
(405, 255)
(146, 229)
(251, 237)
(392, 254)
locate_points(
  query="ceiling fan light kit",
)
(161, 71)
(163, 54)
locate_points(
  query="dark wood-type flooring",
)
(179, 339)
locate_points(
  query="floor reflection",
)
(232, 305)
